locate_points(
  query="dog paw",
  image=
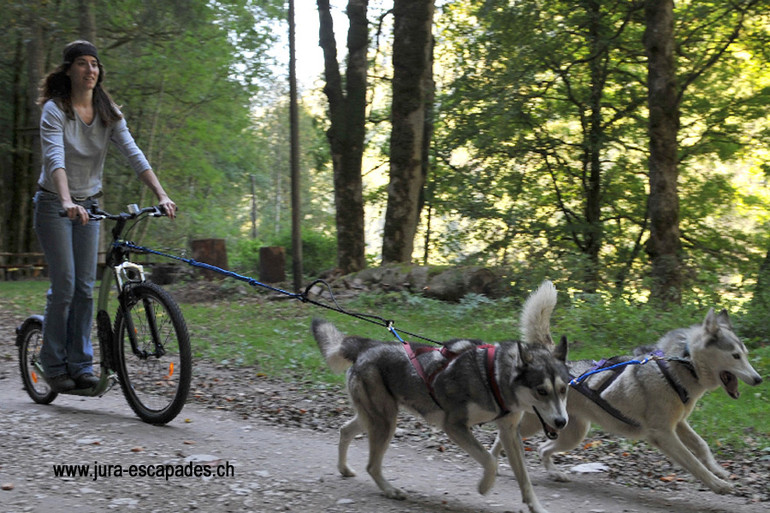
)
(558, 476)
(395, 494)
(721, 487)
(486, 483)
(347, 471)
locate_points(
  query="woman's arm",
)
(149, 178)
(62, 188)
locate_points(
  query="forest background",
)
(540, 152)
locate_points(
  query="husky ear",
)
(560, 351)
(710, 323)
(724, 319)
(524, 354)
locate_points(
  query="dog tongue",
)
(731, 384)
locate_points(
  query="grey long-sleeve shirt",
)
(82, 149)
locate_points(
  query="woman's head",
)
(57, 85)
(81, 50)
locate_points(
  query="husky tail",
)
(340, 350)
(330, 340)
(535, 320)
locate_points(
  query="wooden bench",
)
(17, 266)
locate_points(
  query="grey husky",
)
(464, 384)
(654, 400)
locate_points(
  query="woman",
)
(78, 121)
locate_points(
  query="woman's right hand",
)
(74, 211)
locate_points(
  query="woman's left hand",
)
(168, 206)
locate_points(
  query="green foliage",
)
(536, 94)
(319, 252)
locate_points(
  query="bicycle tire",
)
(30, 339)
(155, 385)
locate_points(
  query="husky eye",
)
(737, 356)
(542, 391)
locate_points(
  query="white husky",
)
(653, 401)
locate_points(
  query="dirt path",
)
(280, 446)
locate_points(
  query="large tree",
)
(412, 84)
(347, 128)
(663, 104)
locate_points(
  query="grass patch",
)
(274, 336)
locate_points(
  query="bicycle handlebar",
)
(134, 211)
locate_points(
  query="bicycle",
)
(147, 351)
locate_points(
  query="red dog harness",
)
(448, 357)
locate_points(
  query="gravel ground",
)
(280, 439)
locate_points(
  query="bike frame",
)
(124, 273)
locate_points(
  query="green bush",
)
(319, 253)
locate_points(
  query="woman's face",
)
(84, 73)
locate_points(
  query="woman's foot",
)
(61, 383)
(86, 380)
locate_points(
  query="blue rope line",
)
(589, 373)
(203, 265)
(300, 296)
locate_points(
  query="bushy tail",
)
(329, 340)
(535, 320)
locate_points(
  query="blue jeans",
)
(71, 251)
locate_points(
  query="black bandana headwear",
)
(77, 48)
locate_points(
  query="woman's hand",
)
(74, 211)
(168, 206)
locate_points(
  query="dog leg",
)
(509, 436)
(376, 414)
(669, 443)
(569, 438)
(380, 433)
(700, 449)
(462, 436)
(348, 432)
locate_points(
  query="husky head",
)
(719, 356)
(542, 384)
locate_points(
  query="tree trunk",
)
(594, 142)
(412, 49)
(760, 302)
(347, 113)
(212, 252)
(26, 143)
(296, 203)
(87, 20)
(663, 102)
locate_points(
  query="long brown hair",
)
(56, 86)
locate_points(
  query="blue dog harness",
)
(617, 365)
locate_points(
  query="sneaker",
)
(61, 383)
(86, 380)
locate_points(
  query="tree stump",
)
(272, 264)
(213, 252)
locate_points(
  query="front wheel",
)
(153, 357)
(29, 338)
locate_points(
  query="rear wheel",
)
(152, 356)
(29, 338)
